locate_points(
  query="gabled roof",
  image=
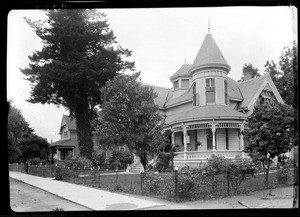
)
(209, 55)
(233, 90)
(205, 112)
(249, 88)
(162, 94)
(183, 71)
(185, 97)
(71, 123)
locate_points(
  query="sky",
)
(161, 41)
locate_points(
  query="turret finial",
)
(208, 25)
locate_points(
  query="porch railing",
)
(203, 155)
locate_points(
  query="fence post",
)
(176, 184)
(228, 186)
(142, 180)
(116, 176)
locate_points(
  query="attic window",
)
(185, 83)
(176, 85)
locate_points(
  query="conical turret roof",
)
(209, 56)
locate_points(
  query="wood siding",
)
(233, 139)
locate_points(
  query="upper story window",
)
(225, 92)
(122, 149)
(265, 97)
(194, 94)
(185, 83)
(176, 85)
(210, 90)
(65, 133)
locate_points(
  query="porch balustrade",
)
(203, 155)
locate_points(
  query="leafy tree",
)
(271, 133)
(17, 127)
(250, 67)
(33, 146)
(79, 55)
(285, 74)
(129, 116)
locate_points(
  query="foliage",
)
(17, 127)
(37, 161)
(121, 158)
(285, 74)
(216, 165)
(250, 68)
(163, 162)
(283, 175)
(59, 173)
(79, 55)
(78, 162)
(33, 146)
(98, 158)
(271, 133)
(239, 170)
(129, 116)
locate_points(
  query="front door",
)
(209, 139)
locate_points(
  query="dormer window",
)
(210, 91)
(176, 85)
(185, 83)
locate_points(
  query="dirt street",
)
(26, 198)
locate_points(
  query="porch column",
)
(173, 138)
(73, 152)
(242, 139)
(184, 141)
(58, 154)
(213, 130)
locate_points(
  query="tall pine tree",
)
(79, 55)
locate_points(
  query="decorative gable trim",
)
(267, 82)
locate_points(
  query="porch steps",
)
(136, 167)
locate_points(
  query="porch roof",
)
(63, 143)
(205, 112)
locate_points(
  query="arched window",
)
(194, 94)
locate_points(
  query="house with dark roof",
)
(206, 110)
(67, 145)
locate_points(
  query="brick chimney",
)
(248, 74)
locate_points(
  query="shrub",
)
(57, 210)
(239, 170)
(78, 162)
(59, 173)
(98, 158)
(121, 158)
(34, 161)
(283, 175)
(163, 162)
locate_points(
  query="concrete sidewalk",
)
(92, 198)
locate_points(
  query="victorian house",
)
(206, 110)
(67, 145)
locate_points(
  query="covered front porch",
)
(198, 141)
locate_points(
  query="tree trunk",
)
(267, 174)
(143, 158)
(84, 132)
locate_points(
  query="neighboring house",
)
(67, 145)
(206, 110)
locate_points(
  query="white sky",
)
(160, 41)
